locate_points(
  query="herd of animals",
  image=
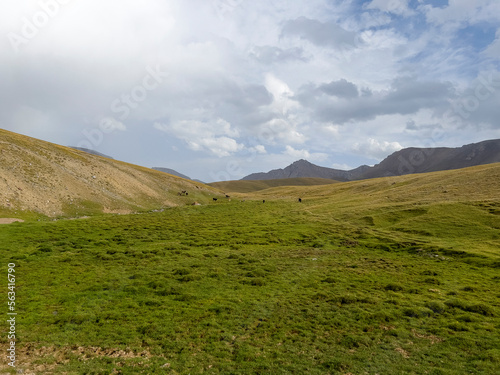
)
(185, 193)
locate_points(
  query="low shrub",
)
(394, 287)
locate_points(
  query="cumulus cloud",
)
(304, 154)
(377, 149)
(399, 7)
(327, 34)
(493, 50)
(458, 12)
(341, 89)
(258, 149)
(406, 95)
(272, 54)
(110, 124)
(217, 138)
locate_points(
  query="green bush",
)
(394, 287)
(436, 307)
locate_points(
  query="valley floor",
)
(319, 287)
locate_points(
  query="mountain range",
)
(406, 161)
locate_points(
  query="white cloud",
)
(110, 124)
(259, 149)
(281, 93)
(493, 50)
(399, 7)
(280, 130)
(214, 137)
(304, 154)
(343, 167)
(220, 146)
(377, 149)
(460, 11)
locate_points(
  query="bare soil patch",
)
(10, 220)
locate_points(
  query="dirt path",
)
(10, 220)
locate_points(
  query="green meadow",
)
(390, 276)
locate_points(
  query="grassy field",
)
(388, 276)
(249, 186)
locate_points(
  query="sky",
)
(219, 89)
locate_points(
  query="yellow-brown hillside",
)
(53, 180)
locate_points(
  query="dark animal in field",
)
(181, 193)
(300, 200)
(227, 196)
(215, 199)
(264, 201)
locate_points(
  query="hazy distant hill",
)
(303, 168)
(172, 172)
(42, 177)
(406, 161)
(175, 173)
(93, 152)
(249, 186)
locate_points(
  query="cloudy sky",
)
(224, 88)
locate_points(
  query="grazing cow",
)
(227, 196)
(215, 199)
(264, 201)
(300, 200)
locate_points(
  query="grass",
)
(355, 279)
(248, 186)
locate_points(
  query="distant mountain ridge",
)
(406, 161)
(172, 172)
(92, 152)
(303, 168)
(175, 173)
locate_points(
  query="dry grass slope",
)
(41, 177)
(248, 186)
(468, 184)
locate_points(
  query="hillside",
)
(406, 161)
(303, 168)
(247, 186)
(48, 179)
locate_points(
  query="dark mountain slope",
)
(406, 161)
